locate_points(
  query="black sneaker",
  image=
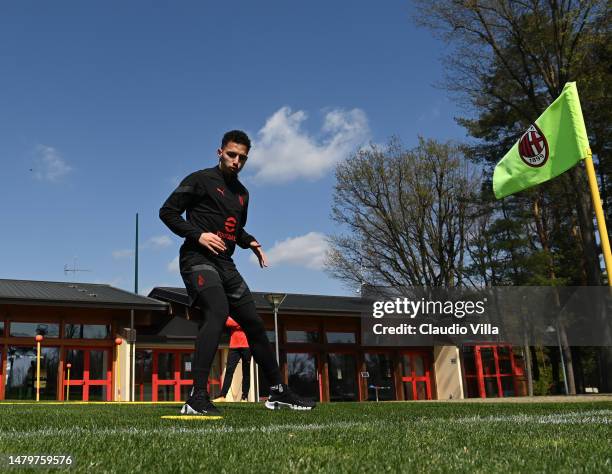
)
(199, 403)
(281, 396)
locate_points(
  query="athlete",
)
(216, 206)
(239, 351)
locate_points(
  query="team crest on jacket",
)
(533, 147)
(230, 224)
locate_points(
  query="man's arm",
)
(246, 240)
(243, 238)
(171, 213)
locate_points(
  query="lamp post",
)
(39, 339)
(68, 366)
(551, 329)
(275, 300)
(118, 342)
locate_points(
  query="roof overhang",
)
(159, 306)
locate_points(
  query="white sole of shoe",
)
(187, 410)
(281, 405)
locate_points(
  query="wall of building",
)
(447, 370)
(122, 372)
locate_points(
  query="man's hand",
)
(261, 256)
(212, 242)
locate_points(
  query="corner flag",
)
(552, 145)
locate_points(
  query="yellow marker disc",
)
(191, 417)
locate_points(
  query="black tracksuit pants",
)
(235, 355)
(219, 290)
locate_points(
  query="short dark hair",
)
(236, 136)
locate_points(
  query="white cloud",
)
(49, 164)
(305, 251)
(123, 253)
(284, 152)
(158, 242)
(173, 266)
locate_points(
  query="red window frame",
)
(413, 377)
(86, 382)
(498, 375)
(176, 380)
(3, 350)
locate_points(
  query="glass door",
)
(342, 377)
(144, 373)
(165, 383)
(303, 374)
(380, 377)
(21, 373)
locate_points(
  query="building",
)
(79, 323)
(321, 355)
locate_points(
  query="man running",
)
(216, 204)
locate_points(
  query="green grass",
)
(347, 437)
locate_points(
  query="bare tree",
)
(406, 215)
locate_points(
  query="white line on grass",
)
(592, 417)
(598, 417)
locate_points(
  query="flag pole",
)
(601, 221)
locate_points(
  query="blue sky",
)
(105, 106)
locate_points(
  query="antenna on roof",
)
(74, 269)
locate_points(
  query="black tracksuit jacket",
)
(213, 205)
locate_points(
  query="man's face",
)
(232, 158)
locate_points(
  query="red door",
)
(171, 379)
(495, 368)
(416, 375)
(2, 372)
(90, 374)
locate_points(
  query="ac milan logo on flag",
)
(533, 147)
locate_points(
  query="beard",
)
(227, 172)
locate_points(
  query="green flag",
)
(552, 145)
